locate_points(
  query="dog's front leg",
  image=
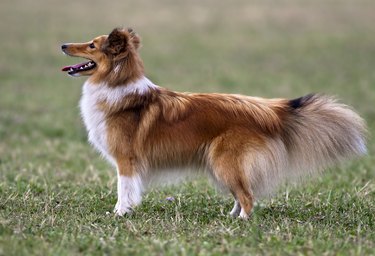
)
(129, 191)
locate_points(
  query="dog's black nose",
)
(64, 46)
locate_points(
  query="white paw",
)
(121, 209)
(129, 192)
(236, 210)
(243, 215)
(234, 214)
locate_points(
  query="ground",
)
(57, 194)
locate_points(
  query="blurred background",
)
(284, 48)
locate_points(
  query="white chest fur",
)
(95, 119)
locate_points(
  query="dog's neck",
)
(113, 95)
(117, 73)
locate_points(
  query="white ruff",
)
(94, 118)
(129, 193)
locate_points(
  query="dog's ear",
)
(135, 39)
(120, 42)
(116, 44)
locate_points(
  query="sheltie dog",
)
(247, 145)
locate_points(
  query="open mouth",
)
(75, 69)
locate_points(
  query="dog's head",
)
(111, 57)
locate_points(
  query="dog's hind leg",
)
(235, 212)
(225, 159)
(232, 178)
(246, 201)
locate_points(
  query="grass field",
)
(57, 194)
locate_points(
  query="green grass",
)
(57, 194)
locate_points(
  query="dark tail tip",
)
(301, 101)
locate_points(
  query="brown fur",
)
(247, 144)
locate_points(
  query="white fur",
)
(243, 215)
(94, 118)
(129, 193)
(236, 209)
(113, 95)
(117, 69)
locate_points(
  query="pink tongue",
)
(66, 68)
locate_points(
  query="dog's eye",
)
(92, 45)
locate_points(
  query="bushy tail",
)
(318, 132)
(321, 132)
